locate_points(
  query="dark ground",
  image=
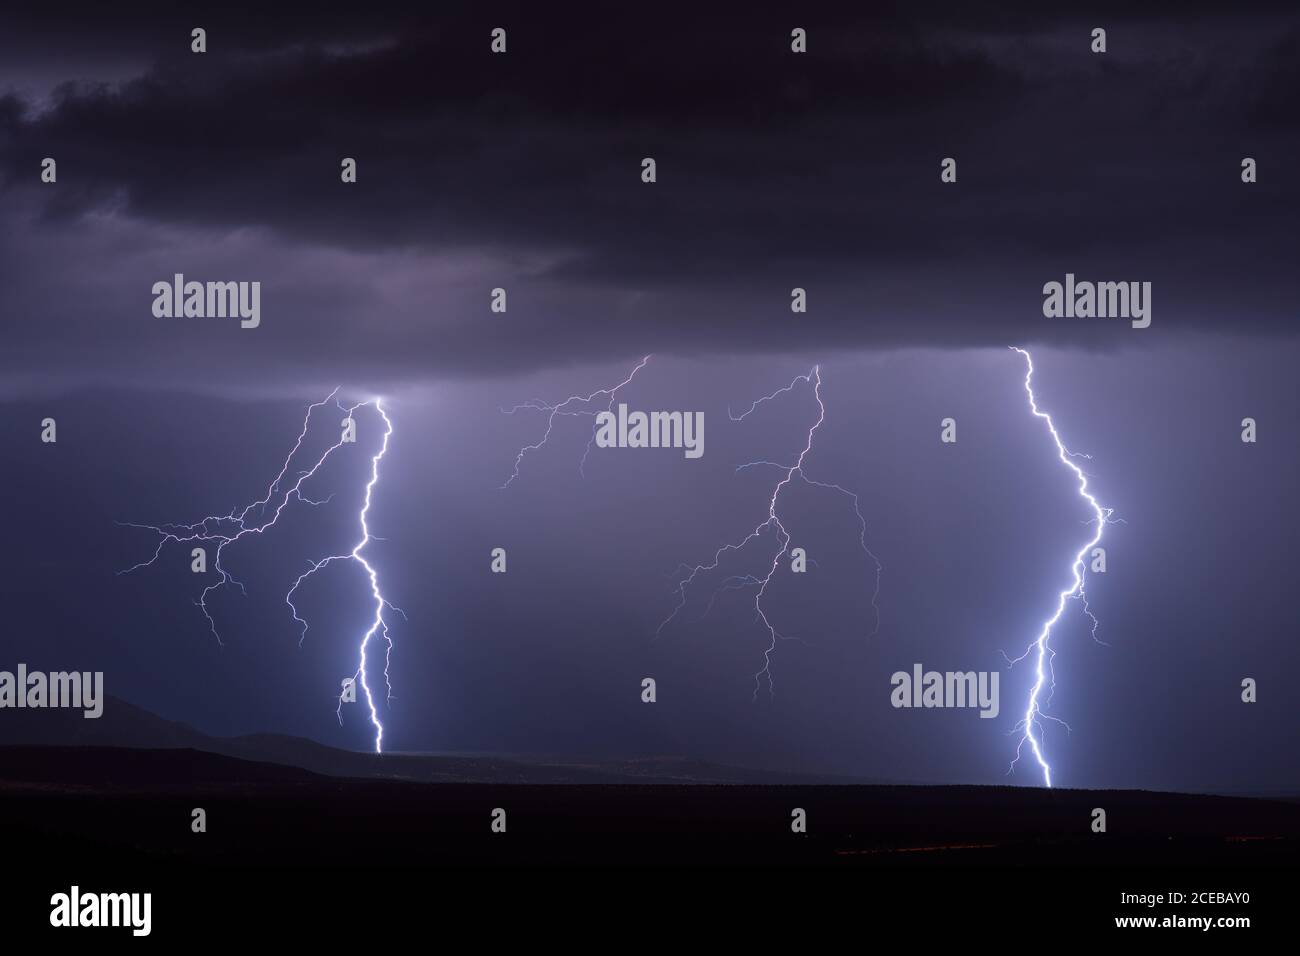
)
(135, 806)
(307, 842)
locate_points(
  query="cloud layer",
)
(775, 170)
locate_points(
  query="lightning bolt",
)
(253, 519)
(1041, 647)
(774, 523)
(574, 405)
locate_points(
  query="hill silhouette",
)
(123, 725)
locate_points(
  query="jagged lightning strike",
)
(252, 520)
(773, 521)
(1041, 645)
(574, 405)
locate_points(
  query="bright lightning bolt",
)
(773, 522)
(225, 530)
(1041, 646)
(574, 405)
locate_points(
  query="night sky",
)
(775, 170)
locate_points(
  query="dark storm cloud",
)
(775, 170)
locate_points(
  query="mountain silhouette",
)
(124, 725)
